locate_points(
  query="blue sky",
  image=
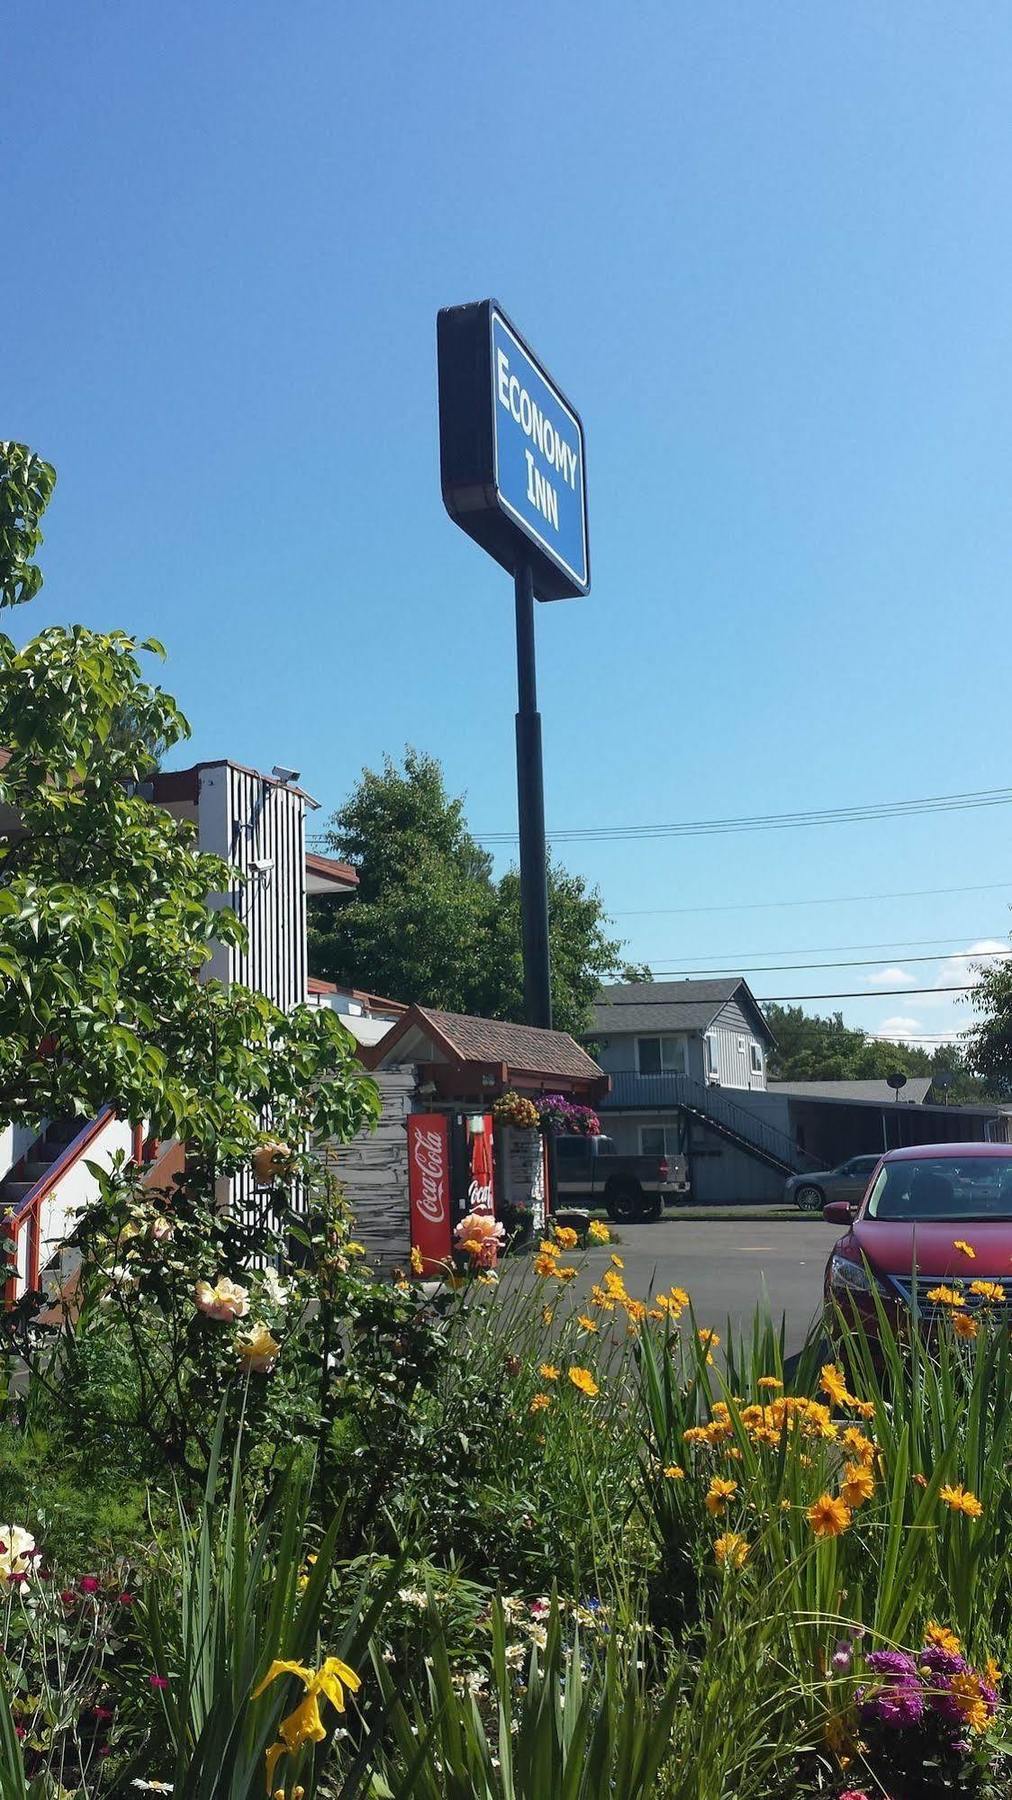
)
(766, 251)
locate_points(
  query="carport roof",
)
(876, 1091)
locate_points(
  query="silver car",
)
(811, 1192)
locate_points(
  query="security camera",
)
(262, 864)
(287, 775)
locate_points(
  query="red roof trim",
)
(330, 866)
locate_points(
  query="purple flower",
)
(900, 1701)
(892, 1662)
(942, 1662)
(842, 1657)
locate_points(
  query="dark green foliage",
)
(814, 1048)
(429, 922)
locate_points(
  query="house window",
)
(755, 1059)
(661, 1055)
(712, 1056)
(659, 1140)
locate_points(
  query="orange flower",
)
(769, 1381)
(991, 1291)
(586, 1324)
(540, 1403)
(548, 1372)
(567, 1237)
(719, 1494)
(941, 1638)
(964, 1325)
(858, 1484)
(674, 1472)
(828, 1517)
(860, 1447)
(945, 1296)
(584, 1381)
(960, 1499)
(964, 1248)
(417, 1260)
(832, 1383)
(730, 1550)
(965, 1690)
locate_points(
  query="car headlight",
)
(852, 1277)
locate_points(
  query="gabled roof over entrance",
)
(512, 1055)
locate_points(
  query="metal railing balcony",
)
(713, 1106)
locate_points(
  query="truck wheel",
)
(652, 1209)
(624, 1203)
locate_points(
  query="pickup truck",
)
(590, 1171)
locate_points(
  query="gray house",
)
(682, 1056)
(688, 1060)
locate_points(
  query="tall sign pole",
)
(513, 472)
(531, 813)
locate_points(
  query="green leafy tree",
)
(104, 916)
(989, 1051)
(430, 923)
(815, 1048)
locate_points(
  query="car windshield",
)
(936, 1187)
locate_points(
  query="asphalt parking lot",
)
(727, 1266)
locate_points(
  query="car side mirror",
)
(838, 1212)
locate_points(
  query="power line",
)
(858, 994)
(988, 887)
(789, 968)
(833, 815)
(899, 947)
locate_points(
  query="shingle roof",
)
(665, 1005)
(520, 1046)
(875, 1091)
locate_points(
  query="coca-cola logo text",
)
(430, 1166)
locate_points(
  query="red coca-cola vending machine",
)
(429, 1190)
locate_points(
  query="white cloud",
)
(959, 971)
(901, 1029)
(890, 978)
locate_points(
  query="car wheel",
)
(651, 1209)
(808, 1197)
(624, 1204)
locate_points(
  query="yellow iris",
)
(305, 1725)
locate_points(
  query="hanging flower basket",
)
(558, 1114)
(513, 1109)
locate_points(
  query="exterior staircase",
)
(712, 1108)
(35, 1166)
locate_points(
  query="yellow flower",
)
(548, 1372)
(617, 1260)
(828, 1517)
(769, 1381)
(548, 1247)
(540, 1402)
(586, 1324)
(865, 1409)
(970, 1703)
(858, 1484)
(565, 1274)
(941, 1638)
(964, 1325)
(719, 1494)
(945, 1296)
(417, 1260)
(707, 1337)
(960, 1499)
(544, 1264)
(964, 1248)
(833, 1384)
(305, 1725)
(991, 1291)
(598, 1233)
(859, 1446)
(992, 1673)
(730, 1550)
(567, 1237)
(257, 1349)
(674, 1472)
(584, 1380)
(547, 1315)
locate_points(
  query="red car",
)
(920, 1204)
